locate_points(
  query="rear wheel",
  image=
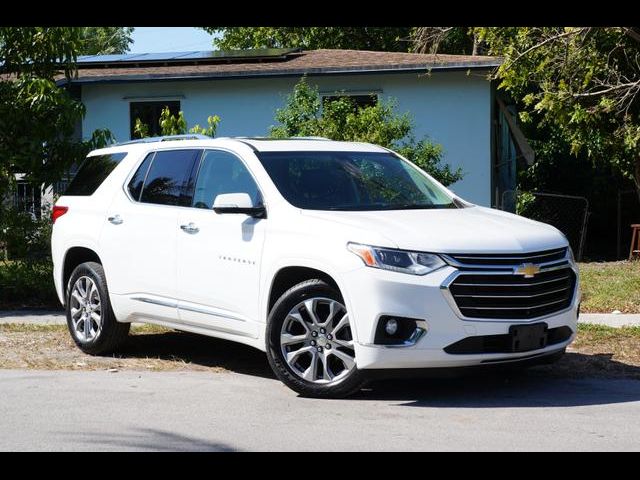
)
(90, 319)
(310, 342)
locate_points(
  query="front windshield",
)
(352, 181)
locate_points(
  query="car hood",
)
(463, 230)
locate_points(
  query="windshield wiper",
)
(382, 206)
(417, 206)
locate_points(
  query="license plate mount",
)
(528, 337)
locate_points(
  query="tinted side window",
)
(222, 172)
(93, 171)
(167, 178)
(135, 185)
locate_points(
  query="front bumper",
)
(372, 293)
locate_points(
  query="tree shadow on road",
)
(576, 380)
(150, 439)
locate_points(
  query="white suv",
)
(337, 259)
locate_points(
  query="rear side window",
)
(136, 183)
(93, 171)
(168, 179)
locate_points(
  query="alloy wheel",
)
(86, 309)
(317, 342)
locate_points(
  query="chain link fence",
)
(567, 213)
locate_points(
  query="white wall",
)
(452, 108)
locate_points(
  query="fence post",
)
(583, 237)
(619, 224)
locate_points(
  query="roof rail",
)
(166, 138)
(285, 138)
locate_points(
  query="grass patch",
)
(623, 344)
(593, 332)
(609, 286)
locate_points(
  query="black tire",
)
(296, 294)
(113, 333)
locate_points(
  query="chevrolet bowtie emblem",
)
(528, 270)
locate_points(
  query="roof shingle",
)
(310, 62)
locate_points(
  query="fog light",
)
(394, 330)
(391, 327)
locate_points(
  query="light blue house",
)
(449, 97)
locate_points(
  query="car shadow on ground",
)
(199, 350)
(577, 379)
(600, 380)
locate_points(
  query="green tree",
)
(212, 126)
(357, 38)
(105, 40)
(140, 129)
(176, 125)
(341, 119)
(581, 83)
(172, 124)
(37, 136)
(37, 118)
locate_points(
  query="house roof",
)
(283, 62)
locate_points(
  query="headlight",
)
(415, 263)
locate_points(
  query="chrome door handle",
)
(190, 228)
(116, 219)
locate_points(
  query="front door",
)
(219, 254)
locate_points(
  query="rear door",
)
(139, 239)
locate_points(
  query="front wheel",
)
(310, 342)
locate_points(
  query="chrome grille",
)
(487, 287)
(469, 259)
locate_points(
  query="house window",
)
(359, 101)
(149, 114)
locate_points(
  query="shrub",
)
(27, 284)
(26, 278)
(25, 237)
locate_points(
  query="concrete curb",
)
(611, 319)
(33, 317)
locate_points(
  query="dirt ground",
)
(147, 348)
(597, 352)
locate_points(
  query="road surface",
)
(160, 411)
